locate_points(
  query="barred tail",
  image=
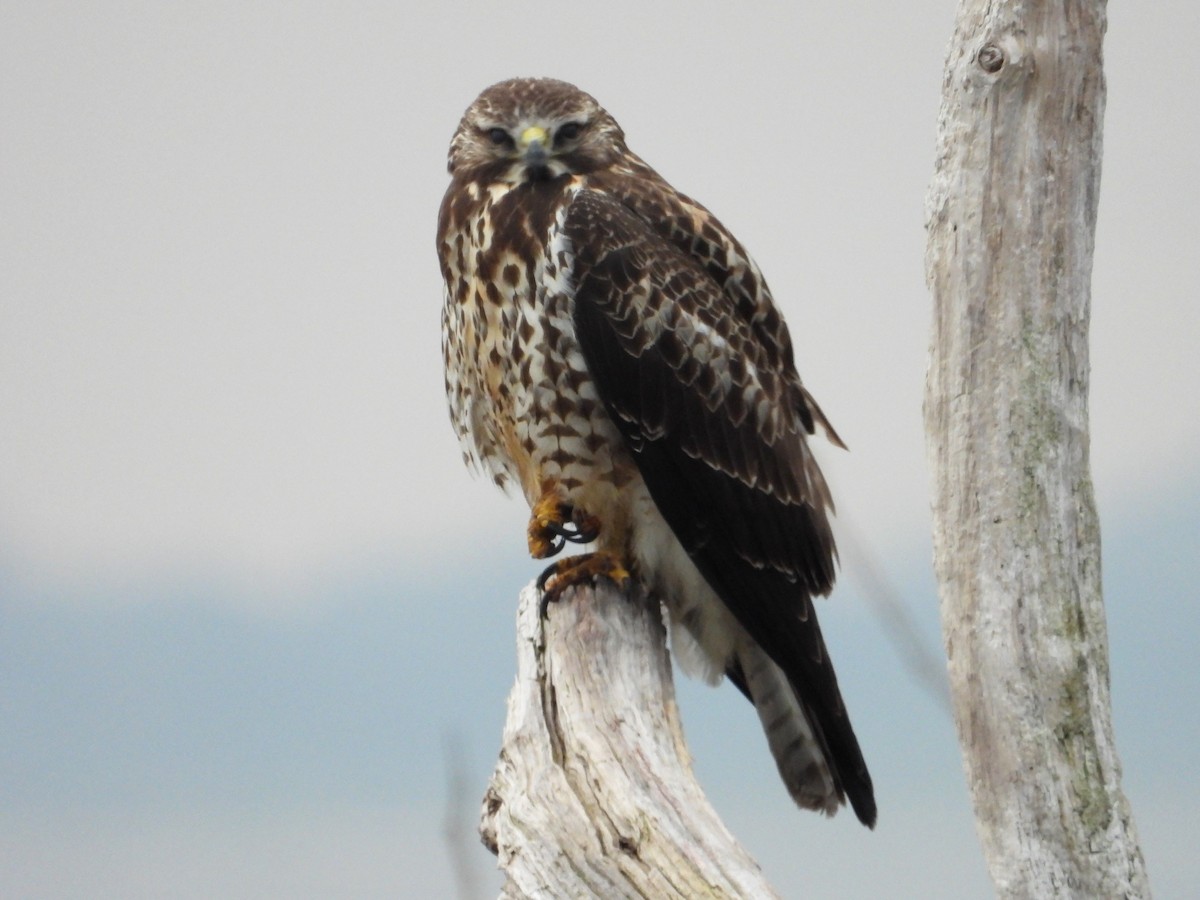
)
(798, 749)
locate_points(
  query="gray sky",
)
(247, 586)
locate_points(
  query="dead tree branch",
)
(1011, 219)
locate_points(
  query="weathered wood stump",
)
(593, 795)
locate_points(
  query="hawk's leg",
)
(579, 569)
(553, 523)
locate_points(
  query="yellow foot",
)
(553, 523)
(579, 569)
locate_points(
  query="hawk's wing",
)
(717, 425)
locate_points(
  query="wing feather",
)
(716, 419)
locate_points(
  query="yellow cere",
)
(534, 133)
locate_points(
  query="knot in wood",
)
(990, 58)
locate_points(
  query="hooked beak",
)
(532, 144)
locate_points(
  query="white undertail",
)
(706, 639)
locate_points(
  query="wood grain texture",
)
(1011, 220)
(593, 794)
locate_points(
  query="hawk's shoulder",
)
(701, 383)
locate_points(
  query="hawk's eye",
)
(499, 137)
(567, 132)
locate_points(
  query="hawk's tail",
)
(798, 748)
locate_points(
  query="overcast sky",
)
(249, 594)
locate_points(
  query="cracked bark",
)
(1011, 221)
(593, 794)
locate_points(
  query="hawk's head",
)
(529, 129)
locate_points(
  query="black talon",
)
(571, 531)
(547, 574)
(544, 603)
(580, 536)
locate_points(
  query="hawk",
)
(612, 350)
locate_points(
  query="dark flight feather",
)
(717, 425)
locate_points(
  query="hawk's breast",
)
(521, 398)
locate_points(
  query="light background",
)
(254, 615)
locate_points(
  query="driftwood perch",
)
(593, 795)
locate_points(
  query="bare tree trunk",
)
(1011, 219)
(593, 795)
